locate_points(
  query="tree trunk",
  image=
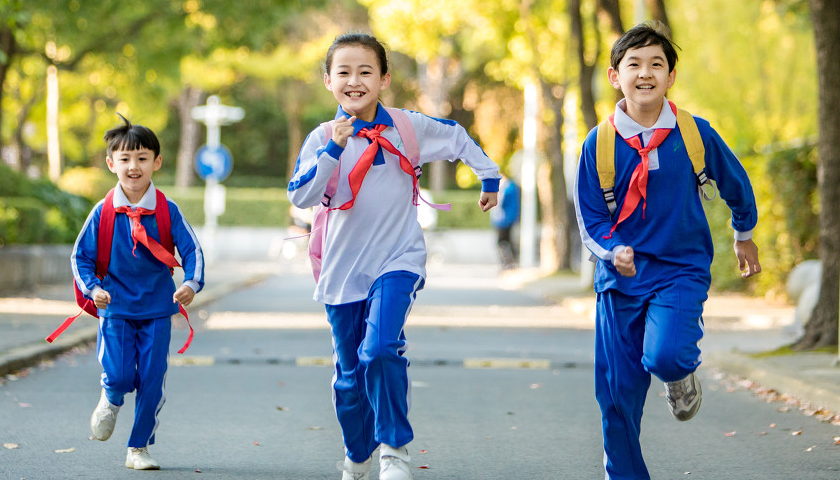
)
(587, 70)
(657, 11)
(8, 46)
(613, 11)
(556, 234)
(189, 98)
(437, 78)
(294, 122)
(821, 329)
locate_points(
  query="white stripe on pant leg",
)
(405, 347)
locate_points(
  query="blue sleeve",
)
(316, 162)
(83, 257)
(593, 216)
(192, 257)
(734, 185)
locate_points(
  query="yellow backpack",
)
(605, 156)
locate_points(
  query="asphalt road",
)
(251, 400)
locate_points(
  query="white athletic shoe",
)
(354, 471)
(104, 418)
(139, 459)
(684, 397)
(393, 463)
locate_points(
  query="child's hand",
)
(624, 262)
(342, 130)
(747, 253)
(183, 295)
(101, 299)
(488, 200)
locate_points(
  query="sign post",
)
(213, 163)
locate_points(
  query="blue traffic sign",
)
(213, 162)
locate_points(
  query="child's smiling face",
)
(134, 170)
(643, 77)
(355, 80)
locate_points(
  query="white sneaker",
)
(353, 470)
(393, 463)
(139, 459)
(684, 397)
(104, 418)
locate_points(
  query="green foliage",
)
(269, 207)
(91, 183)
(787, 215)
(37, 211)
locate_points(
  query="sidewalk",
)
(28, 317)
(737, 327)
(738, 330)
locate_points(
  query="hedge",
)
(269, 207)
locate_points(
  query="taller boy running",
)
(655, 252)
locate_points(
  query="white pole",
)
(528, 238)
(639, 12)
(53, 148)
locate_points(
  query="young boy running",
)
(655, 251)
(136, 298)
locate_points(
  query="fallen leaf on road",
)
(66, 450)
(729, 434)
(11, 446)
(796, 433)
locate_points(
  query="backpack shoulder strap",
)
(407, 133)
(332, 184)
(105, 235)
(605, 162)
(693, 144)
(164, 222)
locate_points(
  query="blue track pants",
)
(371, 388)
(636, 336)
(135, 355)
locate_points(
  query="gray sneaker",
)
(354, 471)
(684, 397)
(104, 418)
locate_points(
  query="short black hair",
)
(362, 40)
(131, 137)
(643, 35)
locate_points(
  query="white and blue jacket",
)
(380, 233)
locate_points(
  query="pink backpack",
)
(318, 233)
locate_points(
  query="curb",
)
(781, 378)
(26, 356)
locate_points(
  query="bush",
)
(91, 183)
(269, 207)
(37, 211)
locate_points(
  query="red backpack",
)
(105, 238)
